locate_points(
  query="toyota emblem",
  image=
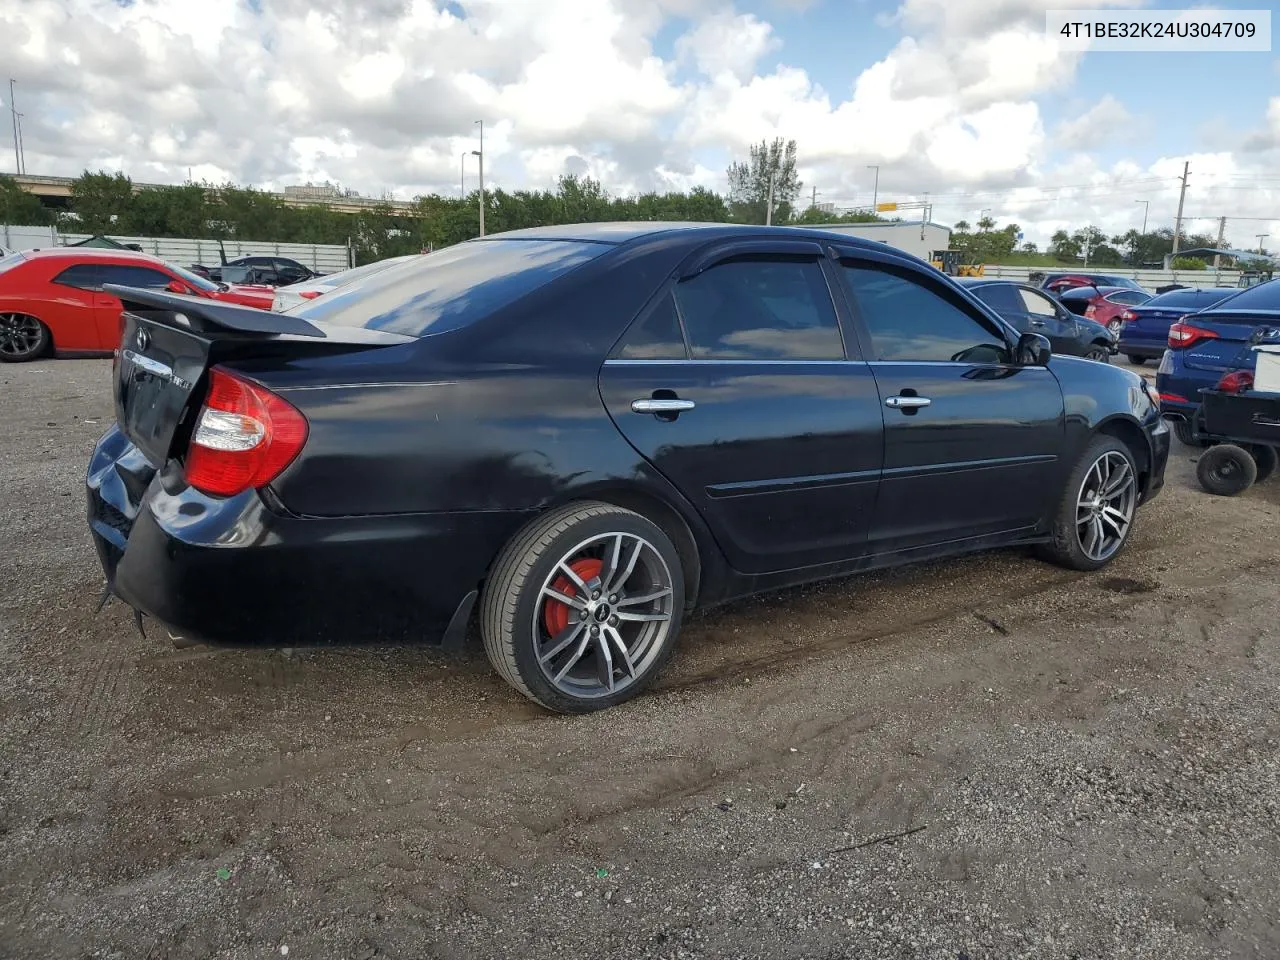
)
(143, 339)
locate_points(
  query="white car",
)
(296, 293)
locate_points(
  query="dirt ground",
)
(1088, 763)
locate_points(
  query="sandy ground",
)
(1089, 763)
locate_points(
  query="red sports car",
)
(52, 301)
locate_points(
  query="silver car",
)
(296, 293)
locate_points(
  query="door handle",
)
(661, 406)
(907, 403)
(1037, 323)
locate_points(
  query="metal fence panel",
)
(1147, 278)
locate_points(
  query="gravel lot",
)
(1089, 763)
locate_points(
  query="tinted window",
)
(760, 310)
(1265, 296)
(1129, 298)
(451, 287)
(1002, 298)
(127, 276)
(1191, 297)
(193, 280)
(908, 321)
(656, 336)
(1038, 304)
(82, 275)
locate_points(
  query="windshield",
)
(193, 280)
(451, 287)
(1196, 297)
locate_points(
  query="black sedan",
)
(575, 435)
(1029, 310)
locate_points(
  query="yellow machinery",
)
(948, 261)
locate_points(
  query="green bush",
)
(1188, 263)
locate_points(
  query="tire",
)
(1137, 361)
(23, 338)
(1265, 459)
(1226, 470)
(1183, 431)
(560, 656)
(1098, 354)
(1106, 462)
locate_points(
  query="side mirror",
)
(175, 287)
(1032, 350)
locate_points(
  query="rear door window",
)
(451, 287)
(1003, 299)
(1038, 304)
(757, 309)
(130, 276)
(656, 336)
(82, 276)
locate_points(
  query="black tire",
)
(512, 612)
(1098, 354)
(1226, 470)
(1137, 361)
(22, 338)
(1183, 431)
(1065, 548)
(1265, 459)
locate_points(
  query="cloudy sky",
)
(967, 100)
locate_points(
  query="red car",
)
(1104, 305)
(52, 301)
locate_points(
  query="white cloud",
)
(1107, 121)
(727, 43)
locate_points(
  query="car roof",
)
(88, 253)
(628, 231)
(990, 281)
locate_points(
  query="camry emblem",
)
(143, 339)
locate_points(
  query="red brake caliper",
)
(555, 615)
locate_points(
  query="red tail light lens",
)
(1183, 335)
(1237, 381)
(245, 437)
(1128, 315)
(309, 294)
(1173, 398)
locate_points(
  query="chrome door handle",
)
(1037, 323)
(661, 406)
(900, 403)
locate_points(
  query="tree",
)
(1064, 246)
(1028, 247)
(962, 225)
(100, 200)
(19, 208)
(749, 183)
(985, 224)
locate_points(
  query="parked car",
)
(581, 433)
(1029, 310)
(257, 271)
(1102, 304)
(1057, 282)
(1205, 346)
(54, 301)
(1144, 330)
(296, 293)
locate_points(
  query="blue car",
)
(1207, 345)
(1144, 330)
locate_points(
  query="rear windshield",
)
(452, 287)
(1200, 298)
(1078, 293)
(1265, 296)
(355, 273)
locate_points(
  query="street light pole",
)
(480, 153)
(875, 186)
(768, 212)
(1146, 207)
(22, 152)
(462, 174)
(13, 110)
(1261, 237)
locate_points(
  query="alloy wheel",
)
(603, 615)
(1105, 505)
(1098, 355)
(20, 335)
(1114, 327)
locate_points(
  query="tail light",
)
(245, 437)
(1128, 315)
(1237, 381)
(1183, 335)
(1090, 310)
(1173, 398)
(309, 294)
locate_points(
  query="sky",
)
(969, 102)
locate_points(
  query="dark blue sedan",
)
(1144, 333)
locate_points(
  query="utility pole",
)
(1222, 232)
(814, 201)
(480, 153)
(768, 211)
(1182, 195)
(462, 175)
(22, 150)
(875, 187)
(13, 110)
(1261, 237)
(1146, 207)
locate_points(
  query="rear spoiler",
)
(204, 316)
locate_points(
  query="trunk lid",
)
(1219, 354)
(169, 342)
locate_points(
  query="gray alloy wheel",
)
(1098, 354)
(1096, 510)
(22, 337)
(1114, 326)
(1105, 505)
(583, 607)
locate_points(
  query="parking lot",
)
(990, 758)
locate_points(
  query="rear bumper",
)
(236, 572)
(1149, 349)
